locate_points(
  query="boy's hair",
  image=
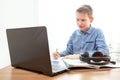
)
(86, 9)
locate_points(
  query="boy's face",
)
(83, 21)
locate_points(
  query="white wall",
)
(59, 17)
(15, 13)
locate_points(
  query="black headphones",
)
(97, 58)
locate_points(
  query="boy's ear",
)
(91, 19)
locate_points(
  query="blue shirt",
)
(90, 41)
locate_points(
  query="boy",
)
(86, 38)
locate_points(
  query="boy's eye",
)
(82, 19)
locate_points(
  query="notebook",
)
(29, 50)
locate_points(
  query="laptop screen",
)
(29, 49)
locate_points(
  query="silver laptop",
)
(29, 50)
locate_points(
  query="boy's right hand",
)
(56, 55)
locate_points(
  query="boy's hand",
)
(56, 54)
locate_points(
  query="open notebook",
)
(76, 63)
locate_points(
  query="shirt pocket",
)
(90, 42)
(90, 45)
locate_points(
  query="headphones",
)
(97, 58)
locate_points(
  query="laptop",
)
(29, 50)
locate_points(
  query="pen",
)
(56, 50)
(56, 54)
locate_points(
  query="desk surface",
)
(10, 73)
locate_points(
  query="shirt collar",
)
(88, 31)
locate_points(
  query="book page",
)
(77, 63)
(110, 65)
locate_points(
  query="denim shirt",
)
(90, 41)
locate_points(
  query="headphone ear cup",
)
(84, 57)
(97, 54)
(85, 54)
